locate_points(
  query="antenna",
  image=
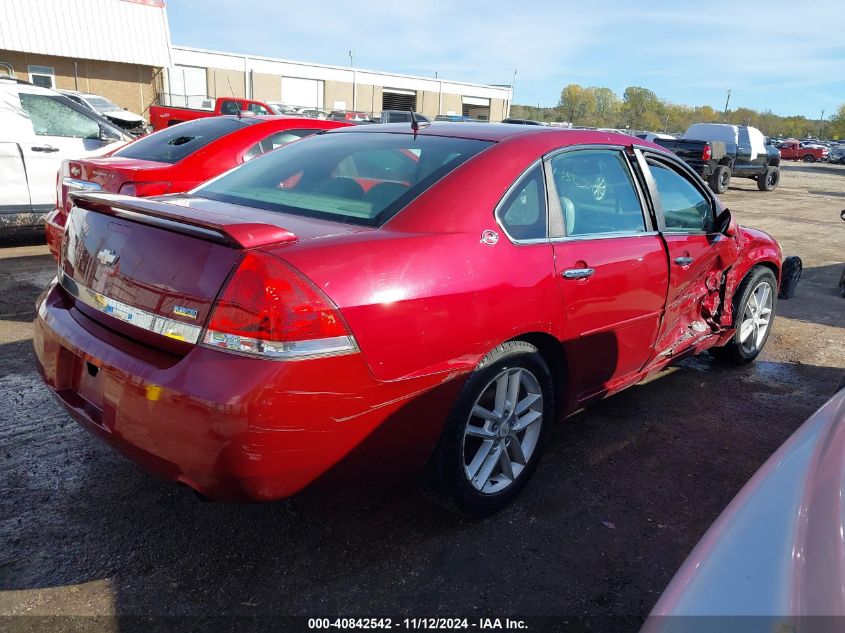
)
(415, 125)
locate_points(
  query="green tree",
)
(836, 126)
(605, 111)
(637, 103)
(576, 103)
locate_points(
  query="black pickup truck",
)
(719, 152)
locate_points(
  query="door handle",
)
(47, 149)
(577, 273)
(683, 261)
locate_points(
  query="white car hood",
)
(123, 115)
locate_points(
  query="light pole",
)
(821, 124)
(351, 65)
(725, 115)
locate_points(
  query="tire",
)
(739, 351)
(842, 284)
(809, 158)
(450, 478)
(720, 179)
(769, 179)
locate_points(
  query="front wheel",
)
(769, 179)
(495, 433)
(754, 311)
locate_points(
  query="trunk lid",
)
(151, 270)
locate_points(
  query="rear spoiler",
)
(211, 227)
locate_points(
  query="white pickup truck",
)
(38, 129)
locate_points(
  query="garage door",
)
(397, 99)
(477, 108)
(188, 86)
(306, 93)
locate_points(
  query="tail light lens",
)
(707, 154)
(144, 189)
(269, 310)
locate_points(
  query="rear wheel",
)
(495, 433)
(769, 179)
(754, 311)
(720, 179)
(809, 158)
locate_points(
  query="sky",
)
(787, 56)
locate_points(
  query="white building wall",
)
(230, 61)
(128, 31)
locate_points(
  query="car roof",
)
(495, 132)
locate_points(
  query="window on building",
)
(43, 76)
(6, 69)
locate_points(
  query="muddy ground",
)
(83, 531)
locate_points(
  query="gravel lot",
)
(83, 531)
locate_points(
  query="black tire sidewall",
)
(763, 179)
(748, 285)
(449, 454)
(716, 179)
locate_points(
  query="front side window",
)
(51, 117)
(597, 193)
(360, 178)
(685, 208)
(523, 212)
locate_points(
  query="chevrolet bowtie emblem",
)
(107, 257)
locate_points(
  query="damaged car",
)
(384, 299)
(133, 124)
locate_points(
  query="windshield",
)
(172, 144)
(357, 178)
(101, 104)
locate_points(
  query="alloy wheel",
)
(502, 430)
(756, 318)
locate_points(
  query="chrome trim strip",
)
(75, 184)
(603, 236)
(279, 350)
(129, 314)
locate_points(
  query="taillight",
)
(707, 154)
(144, 189)
(268, 309)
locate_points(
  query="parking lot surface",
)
(625, 489)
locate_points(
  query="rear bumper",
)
(233, 427)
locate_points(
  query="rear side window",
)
(523, 212)
(685, 208)
(360, 178)
(175, 143)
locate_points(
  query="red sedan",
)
(381, 299)
(175, 159)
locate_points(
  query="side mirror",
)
(725, 223)
(107, 135)
(842, 214)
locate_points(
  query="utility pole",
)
(821, 124)
(725, 115)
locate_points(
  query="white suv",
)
(38, 129)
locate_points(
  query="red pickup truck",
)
(165, 116)
(796, 150)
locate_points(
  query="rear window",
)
(175, 143)
(357, 178)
